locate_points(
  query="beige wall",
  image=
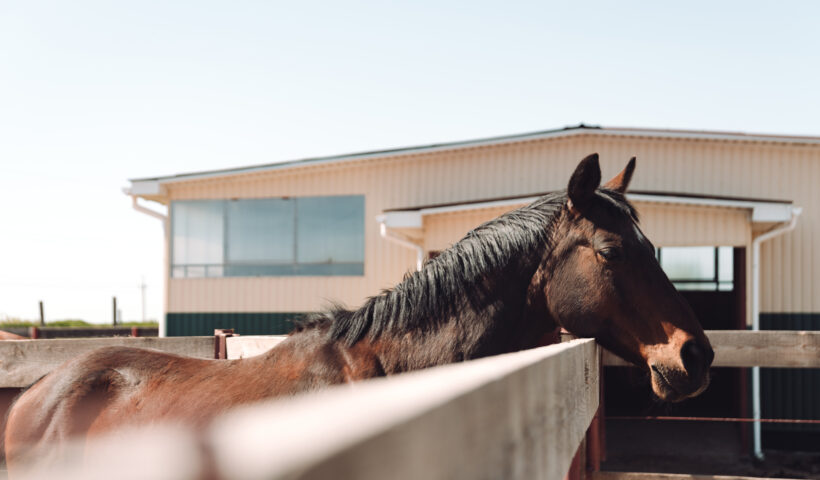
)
(667, 225)
(711, 167)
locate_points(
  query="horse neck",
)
(505, 320)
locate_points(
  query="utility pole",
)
(114, 313)
(142, 290)
(42, 315)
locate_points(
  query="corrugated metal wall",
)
(712, 167)
(664, 224)
(751, 169)
(767, 170)
(442, 230)
(790, 392)
(684, 225)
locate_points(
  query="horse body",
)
(574, 259)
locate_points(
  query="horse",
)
(575, 259)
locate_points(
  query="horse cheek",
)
(575, 298)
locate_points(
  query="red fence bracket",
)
(221, 342)
(576, 468)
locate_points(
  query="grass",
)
(9, 322)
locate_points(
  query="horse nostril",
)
(696, 357)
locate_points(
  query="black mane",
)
(458, 277)
(455, 279)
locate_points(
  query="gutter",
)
(163, 327)
(400, 239)
(147, 211)
(756, 413)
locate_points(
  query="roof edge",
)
(763, 210)
(498, 140)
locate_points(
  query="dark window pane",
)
(259, 270)
(268, 237)
(330, 269)
(260, 231)
(330, 230)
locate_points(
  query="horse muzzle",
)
(683, 377)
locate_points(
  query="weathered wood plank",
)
(513, 416)
(766, 348)
(669, 476)
(251, 345)
(23, 362)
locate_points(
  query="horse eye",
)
(609, 253)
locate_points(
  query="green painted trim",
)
(790, 321)
(204, 323)
(790, 392)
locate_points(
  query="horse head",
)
(601, 279)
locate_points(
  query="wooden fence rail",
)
(515, 416)
(520, 415)
(23, 362)
(765, 348)
(733, 348)
(669, 476)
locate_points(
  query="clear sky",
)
(93, 93)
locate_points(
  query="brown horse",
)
(575, 259)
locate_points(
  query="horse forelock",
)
(618, 201)
(462, 276)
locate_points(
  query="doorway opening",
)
(712, 279)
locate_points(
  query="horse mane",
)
(457, 276)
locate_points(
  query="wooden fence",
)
(521, 415)
(23, 362)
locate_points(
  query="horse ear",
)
(584, 181)
(620, 182)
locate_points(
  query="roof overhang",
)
(148, 189)
(762, 211)
(144, 188)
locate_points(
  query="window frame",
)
(291, 269)
(715, 283)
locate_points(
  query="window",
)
(268, 237)
(198, 238)
(698, 268)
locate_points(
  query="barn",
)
(734, 217)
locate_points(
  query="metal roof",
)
(562, 132)
(764, 211)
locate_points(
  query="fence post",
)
(221, 342)
(576, 468)
(42, 315)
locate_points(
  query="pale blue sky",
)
(95, 92)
